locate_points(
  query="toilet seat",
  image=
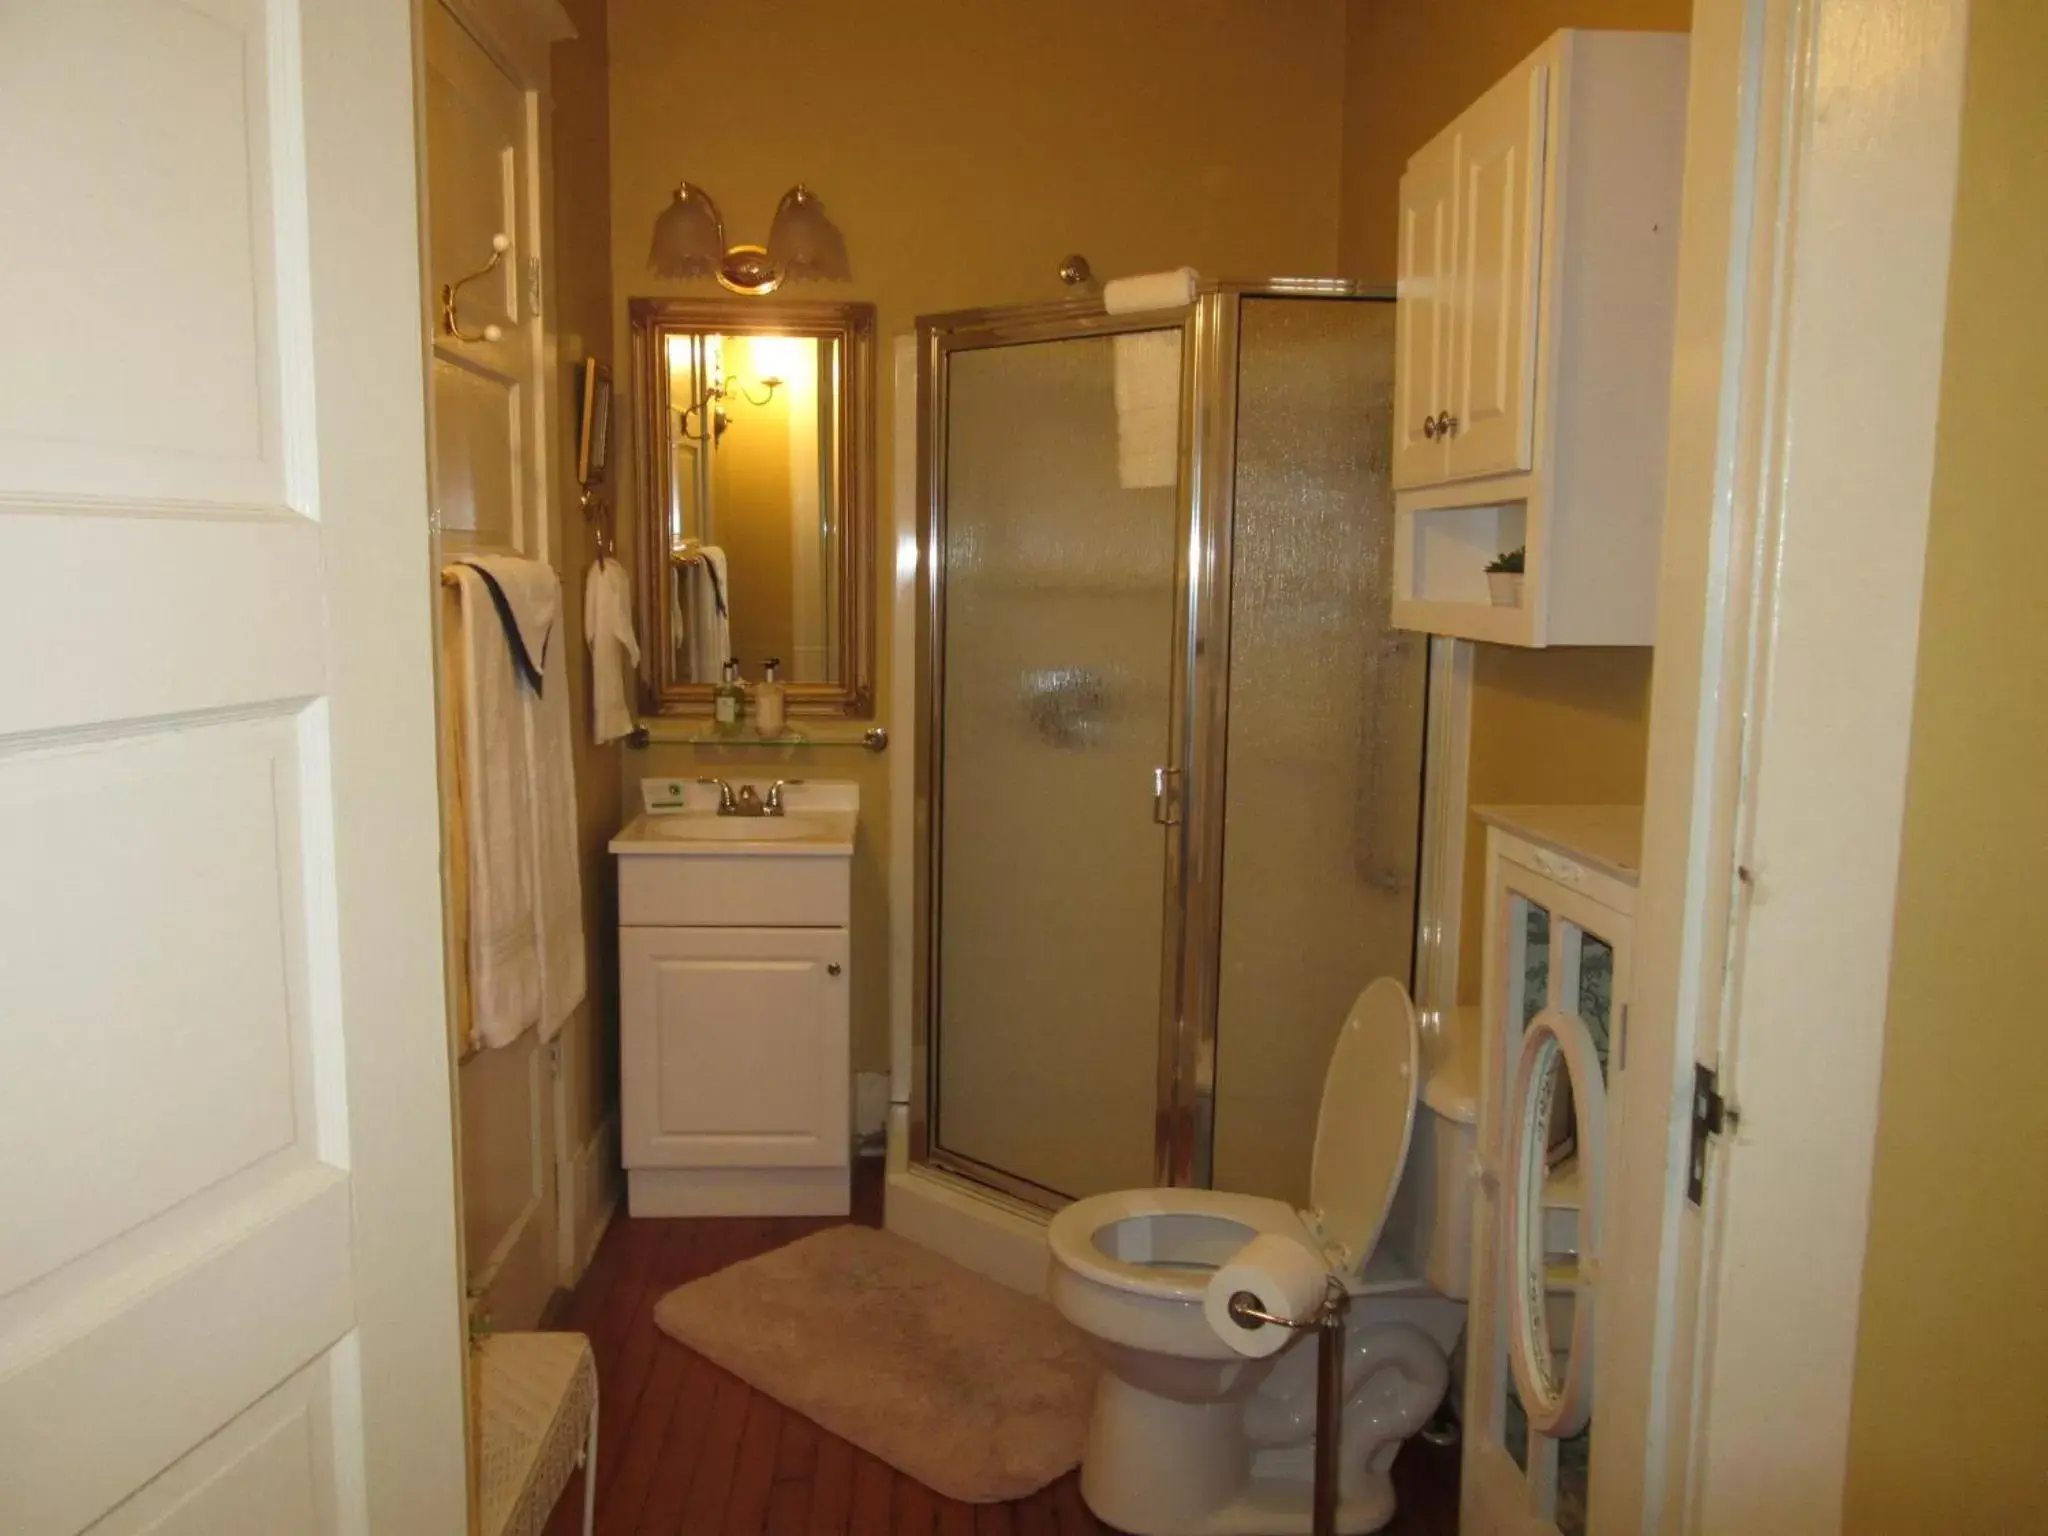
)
(1165, 1243)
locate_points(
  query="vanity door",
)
(1557, 972)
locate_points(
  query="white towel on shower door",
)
(523, 801)
(1147, 408)
(614, 649)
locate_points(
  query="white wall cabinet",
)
(1537, 283)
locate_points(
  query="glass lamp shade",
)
(802, 242)
(689, 236)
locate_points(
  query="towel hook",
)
(500, 244)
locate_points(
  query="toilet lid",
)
(1363, 1128)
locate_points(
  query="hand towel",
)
(614, 649)
(710, 608)
(497, 789)
(558, 873)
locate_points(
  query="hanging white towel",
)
(710, 606)
(1147, 408)
(504, 961)
(517, 604)
(614, 649)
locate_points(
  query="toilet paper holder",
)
(1328, 1322)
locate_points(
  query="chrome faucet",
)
(774, 804)
(749, 803)
(727, 805)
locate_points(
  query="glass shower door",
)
(1054, 661)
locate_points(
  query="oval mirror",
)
(1557, 1132)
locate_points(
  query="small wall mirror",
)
(756, 423)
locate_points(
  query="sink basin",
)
(736, 829)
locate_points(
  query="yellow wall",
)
(581, 290)
(1952, 1357)
(963, 150)
(1413, 65)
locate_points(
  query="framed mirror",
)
(756, 428)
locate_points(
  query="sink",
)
(736, 829)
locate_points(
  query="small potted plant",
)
(1504, 578)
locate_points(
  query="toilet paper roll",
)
(1283, 1273)
(1153, 290)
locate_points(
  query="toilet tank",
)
(1429, 1224)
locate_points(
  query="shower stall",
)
(1170, 772)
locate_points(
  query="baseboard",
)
(739, 1191)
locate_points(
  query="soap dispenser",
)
(729, 698)
(768, 700)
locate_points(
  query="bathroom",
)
(954, 940)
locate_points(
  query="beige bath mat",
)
(970, 1387)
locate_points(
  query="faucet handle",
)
(727, 805)
(773, 805)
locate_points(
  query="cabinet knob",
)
(1446, 424)
(1429, 428)
(832, 969)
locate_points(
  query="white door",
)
(733, 1047)
(228, 1290)
(488, 494)
(1500, 191)
(1422, 316)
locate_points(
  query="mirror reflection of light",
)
(906, 557)
(783, 357)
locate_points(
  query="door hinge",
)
(1621, 1045)
(1711, 1115)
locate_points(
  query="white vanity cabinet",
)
(735, 1073)
(1538, 244)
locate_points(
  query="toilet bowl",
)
(1189, 1437)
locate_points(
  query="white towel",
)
(1150, 290)
(614, 649)
(710, 608)
(504, 961)
(1147, 408)
(523, 802)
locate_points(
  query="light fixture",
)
(689, 241)
(722, 391)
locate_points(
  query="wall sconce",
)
(724, 390)
(689, 241)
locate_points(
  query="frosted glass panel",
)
(1057, 648)
(1323, 795)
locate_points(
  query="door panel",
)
(486, 393)
(1423, 321)
(735, 1049)
(1500, 181)
(228, 1270)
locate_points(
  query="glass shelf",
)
(874, 739)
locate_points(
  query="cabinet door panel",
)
(1500, 187)
(733, 1045)
(1422, 328)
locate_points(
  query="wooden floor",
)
(686, 1447)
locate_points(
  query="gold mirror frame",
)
(852, 695)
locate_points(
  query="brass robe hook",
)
(500, 244)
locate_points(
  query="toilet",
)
(1191, 1438)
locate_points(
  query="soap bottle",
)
(729, 698)
(768, 700)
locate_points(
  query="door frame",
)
(1820, 134)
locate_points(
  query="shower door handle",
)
(1166, 796)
